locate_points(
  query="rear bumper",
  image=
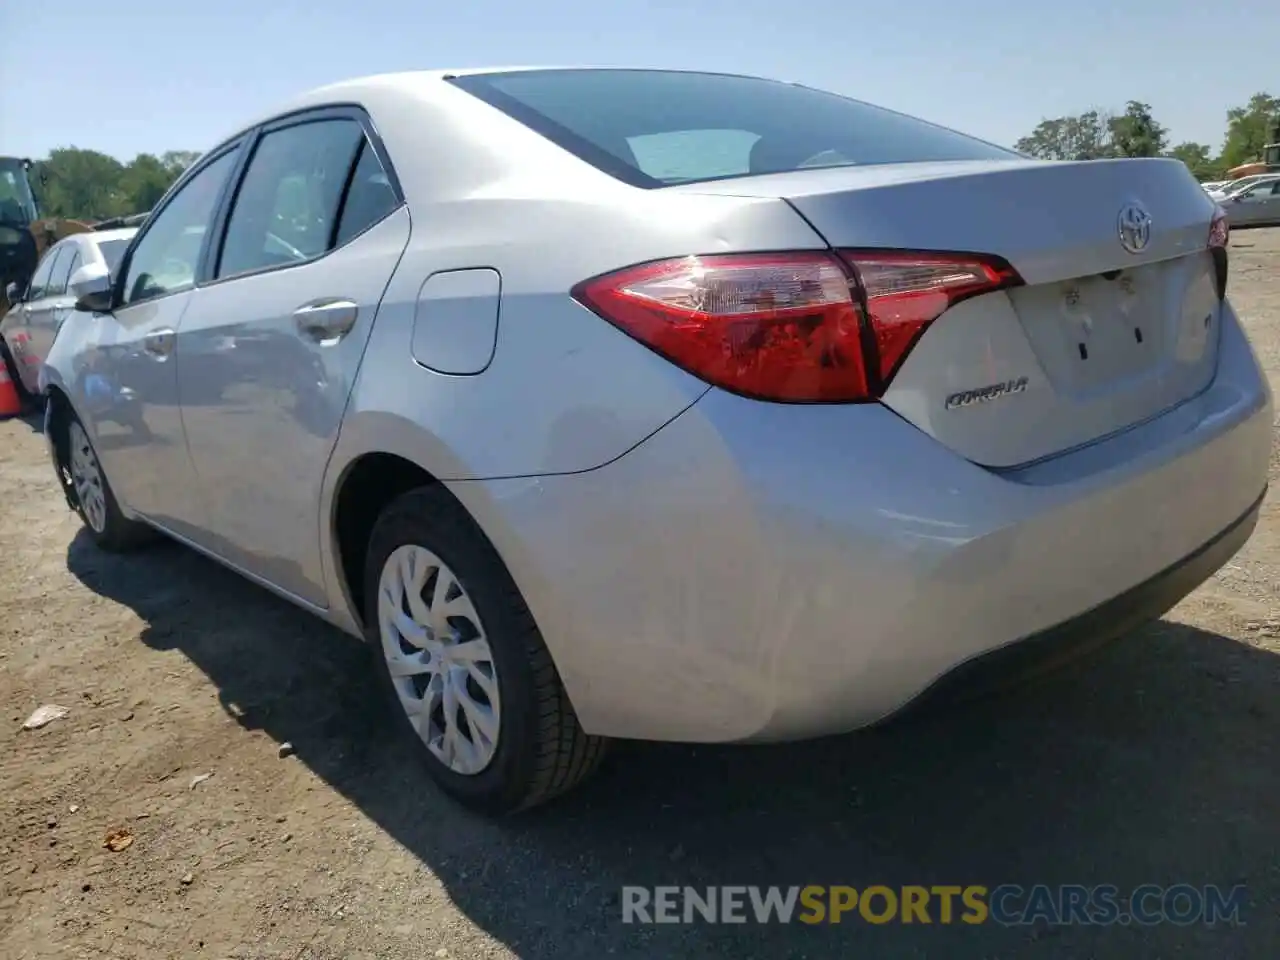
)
(765, 571)
(1095, 628)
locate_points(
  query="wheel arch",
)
(380, 456)
(364, 488)
(58, 414)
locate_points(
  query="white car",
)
(1257, 204)
(1231, 187)
(29, 328)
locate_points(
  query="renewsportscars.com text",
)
(1006, 904)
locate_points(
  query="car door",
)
(1270, 206)
(1254, 205)
(268, 350)
(129, 380)
(31, 315)
(58, 303)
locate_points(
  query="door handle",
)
(326, 321)
(159, 343)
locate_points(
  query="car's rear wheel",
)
(469, 676)
(94, 501)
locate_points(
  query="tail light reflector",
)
(906, 292)
(801, 327)
(1219, 229)
(1219, 234)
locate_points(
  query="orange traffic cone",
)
(10, 403)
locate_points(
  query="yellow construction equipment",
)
(24, 234)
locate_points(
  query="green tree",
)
(87, 185)
(1135, 132)
(1198, 160)
(80, 183)
(1086, 136)
(1249, 129)
(144, 181)
(177, 161)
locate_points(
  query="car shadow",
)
(31, 416)
(1152, 761)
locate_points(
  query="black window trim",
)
(74, 245)
(206, 275)
(234, 145)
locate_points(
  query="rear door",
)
(1256, 205)
(268, 351)
(32, 315)
(58, 303)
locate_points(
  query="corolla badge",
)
(967, 398)
(1134, 226)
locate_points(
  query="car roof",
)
(460, 145)
(428, 83)
(1263, 178)
(98, 236)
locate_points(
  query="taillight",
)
(1219, 233)
(803, 327)
(1219, 229)
(905, 292)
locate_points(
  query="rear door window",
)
(68, 265)
(43, 277)
(369, 198)
(287, 207)
(652, 128)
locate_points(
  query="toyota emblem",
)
(1135, 227)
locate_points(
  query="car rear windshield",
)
(112, 251)
(652, 128)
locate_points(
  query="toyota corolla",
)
(665, 405)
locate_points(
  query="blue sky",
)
(178, 75)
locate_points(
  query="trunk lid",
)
(1100, 338)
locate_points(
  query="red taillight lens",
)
(907, 291)
(797, 327)
(1219, 229)
(1219, 233)
(782, 326)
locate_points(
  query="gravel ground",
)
(314, 837)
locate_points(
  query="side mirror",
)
(91, 285)
(13, 294)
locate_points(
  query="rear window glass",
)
(652, 127)
(112, 251)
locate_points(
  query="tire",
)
(94, 500)
(540, 750)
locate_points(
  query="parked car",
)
(666, 405)
(1257, 205)
(29, 328)
(1235, 186)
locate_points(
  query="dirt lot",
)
(1155, 762)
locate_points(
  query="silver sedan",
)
(1256, 205)
(665, 405)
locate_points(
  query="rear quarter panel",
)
(565, 390)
